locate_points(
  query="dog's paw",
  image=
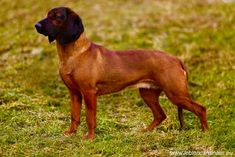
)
(69, 132)
(88, 137)
(144, 130)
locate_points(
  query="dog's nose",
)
(38, 26)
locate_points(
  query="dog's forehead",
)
(58, 10)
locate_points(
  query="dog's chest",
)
(66, 74)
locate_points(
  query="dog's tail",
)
(184, 68)
(180, 110)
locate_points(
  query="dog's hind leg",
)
(186, 102)
(180, 116)
(151, 98)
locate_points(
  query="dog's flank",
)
(90, 70)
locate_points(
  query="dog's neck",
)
(77, 47)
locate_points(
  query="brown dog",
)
(90, 70)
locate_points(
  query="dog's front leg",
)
(76, 105)
(90, 102)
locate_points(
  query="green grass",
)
(34, 103)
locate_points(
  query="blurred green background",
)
(34, 103)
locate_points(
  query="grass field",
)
(34, 103)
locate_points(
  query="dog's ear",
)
(72, 29)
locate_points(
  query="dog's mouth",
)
(41, 30)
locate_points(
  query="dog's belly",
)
(146, 84)
(107, 88)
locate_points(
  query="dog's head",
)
(61, 24)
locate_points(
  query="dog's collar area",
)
(79, 46)
(82, 43)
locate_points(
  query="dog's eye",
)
(52, 16)
(60, 16)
